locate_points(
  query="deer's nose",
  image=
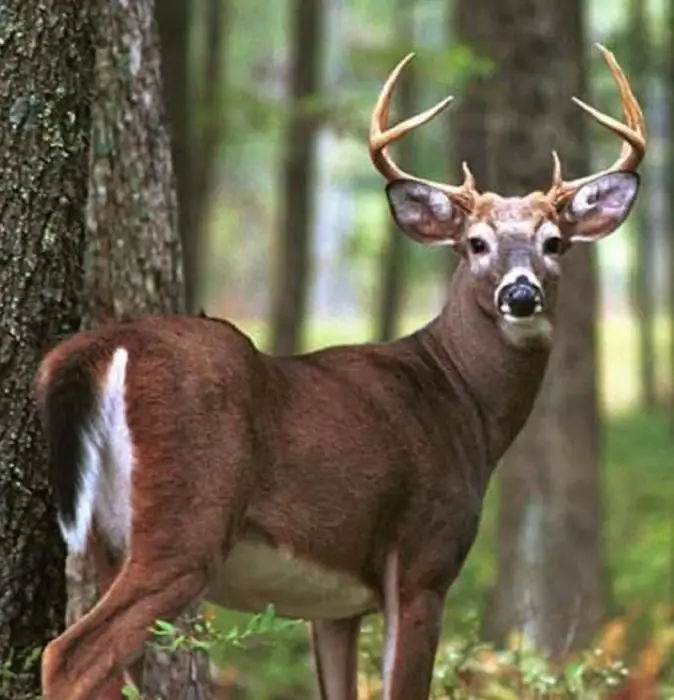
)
(520, 298)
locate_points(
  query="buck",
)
(334, 484)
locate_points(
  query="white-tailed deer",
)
(332, 484)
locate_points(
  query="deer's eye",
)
(477, 245)
(552, 246)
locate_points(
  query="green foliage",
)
(203, 635)
(639, 515)
(13, 678)
(261, 630)
(274, 655)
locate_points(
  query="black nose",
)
(522, 298)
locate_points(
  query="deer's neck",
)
(502, 379)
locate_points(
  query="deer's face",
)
(512, 246)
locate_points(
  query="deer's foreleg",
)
(413, 621)
(335, 647)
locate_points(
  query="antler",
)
(633, 135)
(381, 136)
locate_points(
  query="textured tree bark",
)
(46, 78)
(550, 568)
(393, 257)
(134, 264)
(293, 268)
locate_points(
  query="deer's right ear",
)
(425, 213)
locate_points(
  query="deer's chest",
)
(256, 574)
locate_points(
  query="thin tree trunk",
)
(46, 80)
(469, 117)
(298, 174)
(210, 134)
(134, 256)
(196, 121)
(472, 23)
(644, 311)
(550, 568)
(670, 200)
(173, 23)
(393, 256)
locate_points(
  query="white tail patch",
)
(105, 487)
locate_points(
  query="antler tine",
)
(632, 133)
(381, 136)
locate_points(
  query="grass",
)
(638, 529)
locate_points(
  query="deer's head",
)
(512, 245)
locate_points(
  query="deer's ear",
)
(600, 206)
(425, 213)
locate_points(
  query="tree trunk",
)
(670, 199)
(46, 79)
(393, 257)
(173, 23)
(550, 569)
(298, 174)
(644, 257)
(196, 123)
(470, 26)
(134, 256)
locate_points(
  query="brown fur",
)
(341, 456)
(369, 461)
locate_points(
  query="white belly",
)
(255, 575)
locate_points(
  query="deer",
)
(332, 484)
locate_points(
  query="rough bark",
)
(644, 250)
(298, 175)
(393, 255)
(134, 264)
(46, 77)
(550, 568)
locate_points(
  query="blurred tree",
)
(468, 119)
(196, 120)
(133, 256)
(669, 215)
(471, 139)
(639, 63)
(550, 565)
(292, 275)
(392, 267)
(46, 72)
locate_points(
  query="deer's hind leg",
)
(91, 574)
(110, 637)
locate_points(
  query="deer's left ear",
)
(599, 207)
